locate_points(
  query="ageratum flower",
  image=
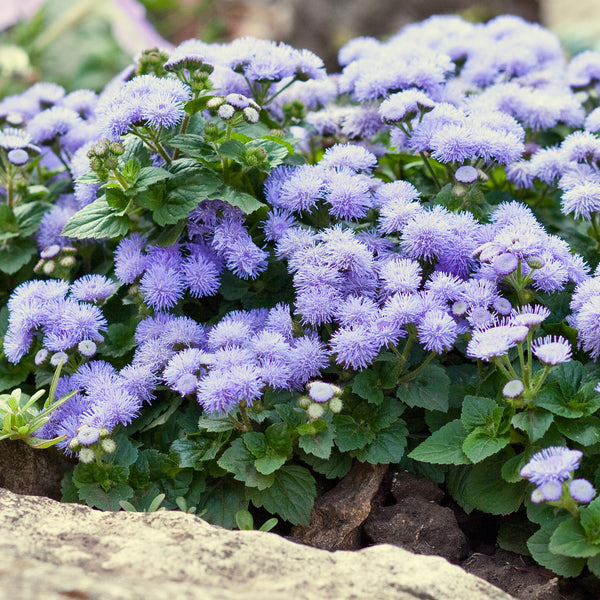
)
(495, 341)
(355, 347)
(556, 463)
(93, 288)
(348, 156)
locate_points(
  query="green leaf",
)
(119, 339)
(585, 430)
(456, 482)
(30, 215)
(590, 520)
(244, 520)
(269, 464)
(484, 492)
(247, 203)
(444, 446)
(96, 220)
(193, 145)
(350, 435)
(565, 566)
(276, 151)
(513, 535)
(291, 496)
(213, 423)
(318, 444)
(149, 176)
(193, 452)
(511, 469)
(93, 495)
(11, 375)
(388, 447)
(16, 254)
(593, 564)
(256, 443)
(222, 501)
(479, 444)
(429, 389)
(279, 438)
(233, 149)
(477, 411)
(570, 539)
(335, 467)
(534, 422)
(366, 385)
(237, 459)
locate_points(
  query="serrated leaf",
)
(29, 216)
(444, 446)
(477, 411)
(584, 431)
(214, 424)
(193, 452)
(119, 339)
(255, 442)
(269, 464)
(93, 495)
(233, 149)
(569, 539)
(511, 469)
(565, 566)
(479, 445)
(429, 389)
(222, 501)
(350, 435)
(593, 564)
(484, 492)
(534, 422)
(291, 496)
(193, 145)
(247, 203)
(513, 536)
(318, 444)
(388, 447)
(96, 220)
(366, 385)
(590, 519)
(16, 254)
(335, 467)
(149, 176)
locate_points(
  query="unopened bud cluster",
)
(234, 107)
(90, 442)
(56, 261)
(104, 157)
(321, 396)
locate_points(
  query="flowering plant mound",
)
(254, 273)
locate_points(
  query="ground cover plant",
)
(248, 274)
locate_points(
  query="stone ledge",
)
(57, 551)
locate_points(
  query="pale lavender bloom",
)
(93, 288)
(495, 341)
(348, 194)
(466, 174)
(426, 234)
(319, 391)
(584, 68)
(162, 286)
(130, 260)
(301, 190)
(348, 156)
(555, 463)
(221, 391)
(530, 316)
(405, 105)
(279, 319)
(551, 350)
(229, 332)
(437, 331)
(586, 320)
(277, 223)
(356, 310)
(307, 359)
(581, 490)
(551, 491)
(18, 156)
(52, 122)
(355, 347)
(182, 371)
(400, 275)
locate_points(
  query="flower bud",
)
(48, 267)
(315, 411)
(535, 262)
(336, 405)
(86, 455)
(304, 402)
(108, 445)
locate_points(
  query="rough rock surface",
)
(55, 551)
(337, 516)
(420, 526)
(24, 470)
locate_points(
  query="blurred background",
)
(83, 43)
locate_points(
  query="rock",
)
(418, 525)
(405, 485)
(337, 516)
(24, 470)
(55, 551)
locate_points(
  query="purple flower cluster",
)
(50, 312)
